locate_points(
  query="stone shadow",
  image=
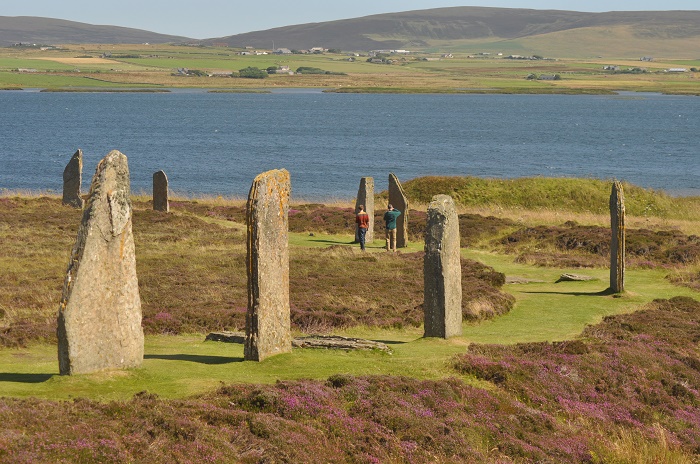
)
(24, 378)
(606, 292)
(196, 358)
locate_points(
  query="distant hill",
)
(30, 29)
(543, 31)
(550, 33)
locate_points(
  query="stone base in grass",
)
(312, 341)
(574, 278)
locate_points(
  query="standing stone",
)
(99, 318)
(268, 317)
(365, 196)
(442, 271)
(399, 201)
(160, 192)
(617, 247)
(72, 178)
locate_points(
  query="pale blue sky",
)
(217, 18)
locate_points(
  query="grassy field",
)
(522, 383)
(124, 66)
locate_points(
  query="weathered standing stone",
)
(399, 201)
(365, 196)
(160, 192)
(617, 247)
(268, 317)
(99, 318)
(72, 178)
(442, 270)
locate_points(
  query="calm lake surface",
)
(216, 143)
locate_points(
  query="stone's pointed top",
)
(442, 203)
(281, 175)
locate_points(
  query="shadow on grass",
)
(24, 378)
(194, 358)
(606, 292)
(390, 342)
(335, 242)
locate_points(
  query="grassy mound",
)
(564, 194)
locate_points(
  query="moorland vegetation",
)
(545, 371)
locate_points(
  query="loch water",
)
(216, 143)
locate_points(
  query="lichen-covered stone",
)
(617, 246)
(72, 178)
(99, 317)
(160, 192)
(442, 271)
(398, 199)
(365, 196)
(268, 318)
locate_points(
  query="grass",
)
(134, 66)
(523, 386)
(326, 293)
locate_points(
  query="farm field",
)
(86, 67)
(542, 361)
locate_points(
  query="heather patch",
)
(359, 419)
(192, 275)
(573, 245)
(632, 371)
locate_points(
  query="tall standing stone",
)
(160, 192)
(365, 196)
(399, 201)
(617, 247)
(268, 321)
(442, 270)
(72, 178)
(99, 318)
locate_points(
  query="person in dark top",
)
(362, 220)
(390, 220)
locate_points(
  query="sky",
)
(202, 19)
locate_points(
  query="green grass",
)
(180, 366)
(209, 258)
(50, 81)
(550, 193)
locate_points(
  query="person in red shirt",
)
(362, 220)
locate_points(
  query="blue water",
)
(217, 143)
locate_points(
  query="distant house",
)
(646, 58)
(221, 74)
(548, 77)
(611, 68)
(677, 70)
(282, 51)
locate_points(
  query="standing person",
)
(390, 220)
(362, 220)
